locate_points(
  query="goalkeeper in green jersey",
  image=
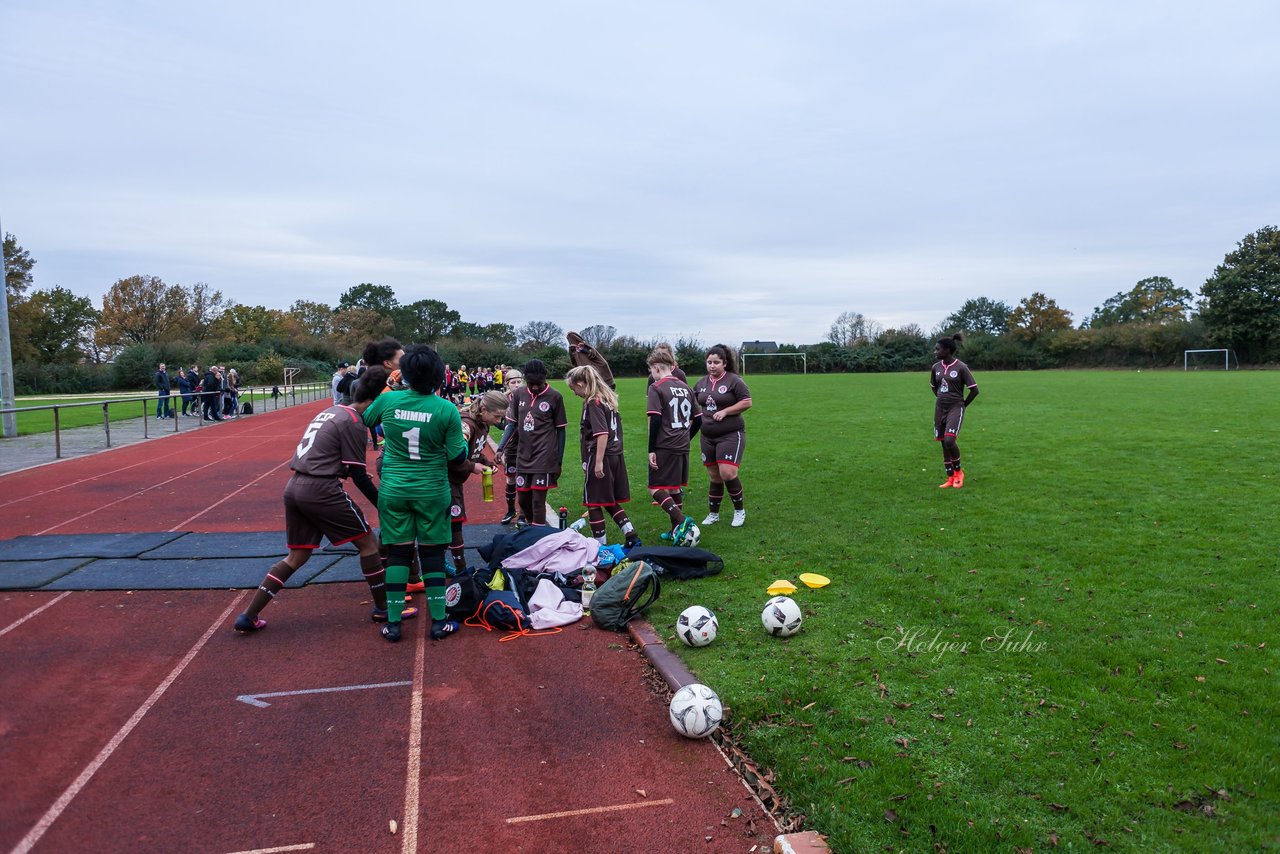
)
(423, 435)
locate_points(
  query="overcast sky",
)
(722, 170)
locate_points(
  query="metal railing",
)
(279, 398)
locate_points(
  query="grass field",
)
(1077, 649)
(41, 421)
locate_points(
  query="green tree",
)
(355, 327)
(142, 310)
(379, 298)
(17, 269)
(61, 325)
(1241, 300)
(204, 306)
(1036, 315)
(1153, 300)
(250, 324)
(316, 318)
(982, 315)
(425, 321)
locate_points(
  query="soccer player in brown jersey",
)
(486, 410)
(950, 380)
(513, 380)
(605, 484)
(581, 353)
(538, 413)
(316, 505)
(723, 397)
(674, 419)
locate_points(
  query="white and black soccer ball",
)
(691, 537)
(781, 617)
(696, 711)
(697, 626)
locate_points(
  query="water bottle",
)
(580, 525)
(588, 588)
(564, 518)
(486, 484)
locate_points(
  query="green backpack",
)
(632, 588)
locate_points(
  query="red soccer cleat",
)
(948, 483)
(957, 480)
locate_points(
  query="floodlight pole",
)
(8, 421)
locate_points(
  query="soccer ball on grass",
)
(781, 617)
(696, 711)
(697, 626)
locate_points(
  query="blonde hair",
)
(490, 401)
(593, 384)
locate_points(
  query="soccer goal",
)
(1210, 360)
(803, 357)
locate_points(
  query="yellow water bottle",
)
(486, 484)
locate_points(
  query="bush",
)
(135, 368)
(43, 378)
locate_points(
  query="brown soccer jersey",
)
(537, 418)
(598, 419)
(676, 405)
(334, 439)
(476, 436)
(717, 395)
(582, 353)
(949, 380)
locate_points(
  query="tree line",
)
(62, 343)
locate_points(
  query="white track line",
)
(591, 811)
(409, 845)
(180, 525)
(22, 620)
(64, 800)
(142, 491)
(305, 846)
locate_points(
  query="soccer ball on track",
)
(696, 711)
(781, 617)
(697, 626)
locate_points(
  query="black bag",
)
(679, 562)
(464, 592)
(247, 408)
(633, 587)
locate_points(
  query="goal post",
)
(1213, 360)
(804, 359)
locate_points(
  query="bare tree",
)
(852, 328)
(599, 336)
(539, 334)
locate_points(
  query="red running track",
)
(122, 732)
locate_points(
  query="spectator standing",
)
(337, 378)
(184, 388)
(163, 388)
(212, 394)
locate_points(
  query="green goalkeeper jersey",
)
(422, 433)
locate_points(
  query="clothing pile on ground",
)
(533, 577)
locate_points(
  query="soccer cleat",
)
(711, 519)
(441, 629)
(957, 480)
(247, 625)
(391, 631)
(681, 531)
(739, 518)
(509, 518)
(948, 483)
(415, 587)
(379, 615)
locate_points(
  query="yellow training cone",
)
(812, 579)
(781, 587)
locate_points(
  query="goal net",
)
(788, 362)
(1210, 360)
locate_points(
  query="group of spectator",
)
(214, 396)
